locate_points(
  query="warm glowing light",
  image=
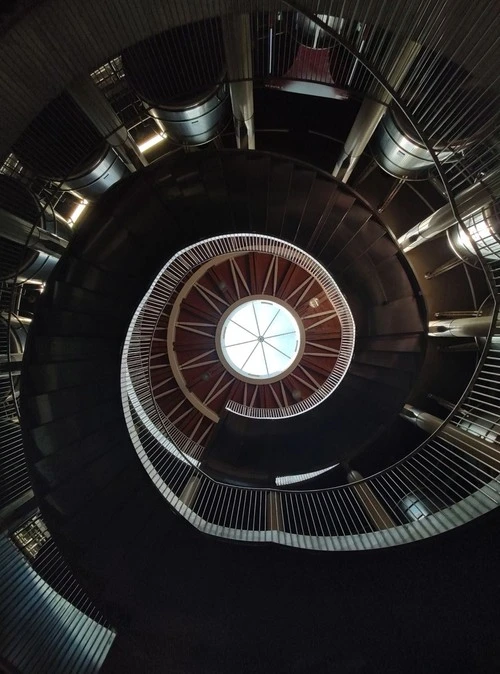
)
(77, 212)
(151, 142)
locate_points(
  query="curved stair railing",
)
(75, 634)
(450, 478)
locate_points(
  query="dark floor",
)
(429, 607)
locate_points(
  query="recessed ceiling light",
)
(151, 142)
(77, 212)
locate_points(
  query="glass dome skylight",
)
(260, 339)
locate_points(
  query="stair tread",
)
(402, 343)
(397, 378)
(47, 407)
(50, 436)
(397, 316)
(301, 184)
(319, 202)
(257, 186)
(397, 360)
(92, 478)
(280, 177)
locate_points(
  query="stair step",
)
(386, 359)
(361, 275)
(72, 298)
(399, 316)
(385, 248)
(52, 436)
(57, 348)
(402, 343)
(353, 244)
(77, 272)
(383, 395)
(47, 377)
(280, 180)
(62, 465)
(397, 378)
(94, 477)
(300, 185)
(48, 407)
(320, 201)
(325, 240)
(98, 515)
(72, 324)
(394, 278)
(235, 175)
(258, 190)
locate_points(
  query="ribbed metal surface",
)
(40, 631)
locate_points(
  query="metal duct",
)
(372, 111)
(476, 197)
(476, 326)
(62, 145)
(397, 147)
(399, 151)
(179, 76)
(31, 238)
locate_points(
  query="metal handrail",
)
(365, 488)
(379, 483)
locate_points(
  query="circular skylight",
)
(260, 339)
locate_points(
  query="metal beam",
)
(190, 491)
(468, 202)
(20, 231)
(238, 47)
(475, 436)
(372, 111)
(374, 509)
(274, 514)
(477, 326)
(98, 109)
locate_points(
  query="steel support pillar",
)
(445, 267)
(468, 202)
(20, 231)
(376, 512)
(238, 48)
(372, 111)
(274, 514)
(477, 437)
(99, 111)
(477, 326)
(190, 491)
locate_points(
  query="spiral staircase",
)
(127, 426)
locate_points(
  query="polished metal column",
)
(443, 268)
(190, 491)
(475, 435)
(371, 504)
(372, 111)
(274, 514)
(238, 47)
(477, 326)
(98, 109)
(468, 202)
